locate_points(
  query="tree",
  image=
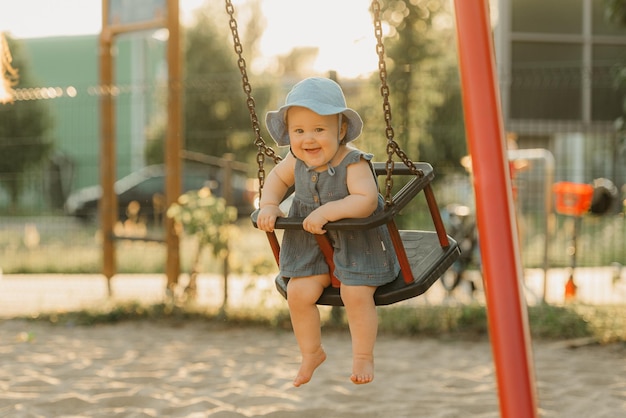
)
(424, 88)
(615, 11)
(216, 118)
(297, 62)
(446, 128)
(24, 128)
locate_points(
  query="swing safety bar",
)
(423, 255)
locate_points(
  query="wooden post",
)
(173, 142)
(108, 201)
(118, 19)
(228, 195)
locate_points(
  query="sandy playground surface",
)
(144, 369)
(196, 369)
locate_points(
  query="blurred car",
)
(141, 194)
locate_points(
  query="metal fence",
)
(548, 239)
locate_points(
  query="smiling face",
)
(314, 138)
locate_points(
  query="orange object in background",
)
(572, 198)
(570, 289)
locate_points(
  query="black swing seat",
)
(428, 261)
(428, 253)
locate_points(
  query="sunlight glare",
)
(5, 96)
(342, 31)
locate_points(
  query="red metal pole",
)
(506, 309)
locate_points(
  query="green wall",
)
(72, 64)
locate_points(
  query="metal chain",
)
(392, 145)
(262, 148)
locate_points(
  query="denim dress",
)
(362, 257)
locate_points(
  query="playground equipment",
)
(502, 266)
(423, 255)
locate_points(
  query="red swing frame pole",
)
(506, 309)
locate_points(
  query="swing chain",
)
(262, 148)
(392, 145)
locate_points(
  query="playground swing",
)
(423, 255)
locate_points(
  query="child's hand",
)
(314, 223)
(267, 217)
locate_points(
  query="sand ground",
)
(196, 369)
(143, 369)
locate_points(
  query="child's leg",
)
(363, 322)
(302, 293)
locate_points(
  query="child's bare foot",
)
(362, 370)
(310, 362)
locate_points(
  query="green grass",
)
(70, 248)
(66, 246)
(602, 324)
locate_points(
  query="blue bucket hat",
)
(321, 95)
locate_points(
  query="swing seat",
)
(428, 262)
(423, 255)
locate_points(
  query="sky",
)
(342, 30)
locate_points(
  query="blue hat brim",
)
(321, 95)
(277, 126)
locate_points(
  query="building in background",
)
(556, 61)
(69, 66)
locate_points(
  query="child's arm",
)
(360, 203)
(276, 184)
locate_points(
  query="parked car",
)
(141, 193)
